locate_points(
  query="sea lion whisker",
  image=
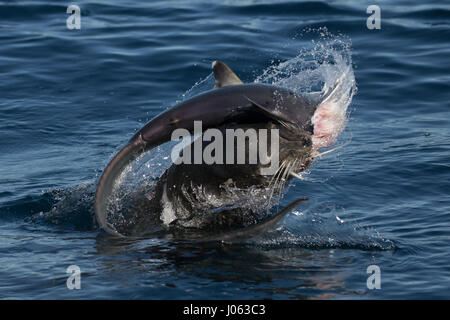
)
(317, 154)
(274, 177)
(293, 173)
(287, 171)
(271, 184)
(283, 179)
(275, 182)
(279, 174)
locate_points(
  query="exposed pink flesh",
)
(329, 121)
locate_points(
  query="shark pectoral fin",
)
(265, 111)
(223, 75)
(259, 107)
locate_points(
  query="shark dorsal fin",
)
(223, 75)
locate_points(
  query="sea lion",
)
(215, 198)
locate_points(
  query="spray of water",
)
(321, 69)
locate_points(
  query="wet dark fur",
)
(214, 197)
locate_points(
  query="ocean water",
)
(69, 99)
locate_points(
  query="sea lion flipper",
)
(223, 75)
(257, 228)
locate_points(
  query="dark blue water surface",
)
(70, 98)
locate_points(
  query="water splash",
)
(322, 228)
(71, 208)
(323, 69)
(324, 66)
